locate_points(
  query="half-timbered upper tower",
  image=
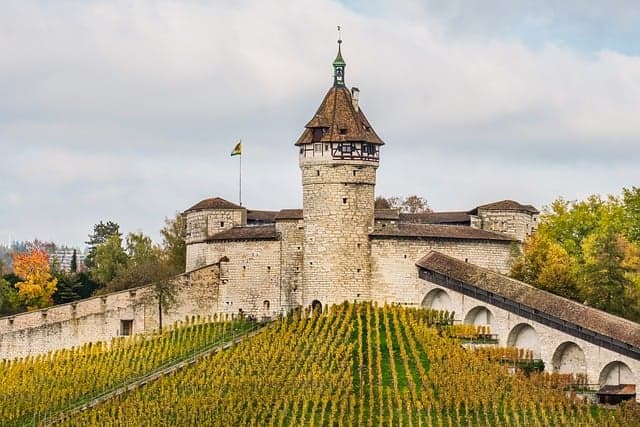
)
(339, 155)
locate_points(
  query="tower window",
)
(317, 173)
(221, 223)
(344, 200)
(343, 131)
(317, 134)
(354, 172)
(317, 148)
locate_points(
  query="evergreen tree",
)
(69, 287)
(73, 265)
(101, 233)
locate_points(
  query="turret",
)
(339, 155)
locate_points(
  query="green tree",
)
(631, 203)
(140, 249)
(101, 233)
(173, 242)
(69, 288)
(73, 265)
(110, 259)
(585, 250)
(548, 266)
(607, 280)
(9, 299)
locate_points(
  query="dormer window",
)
(317, 134)
(343, 131)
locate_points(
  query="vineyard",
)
(353, 365)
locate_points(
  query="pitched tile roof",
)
(436, 217)
(214, 203)
(251, 232)
(290, 214)
(566, 310)
(340, 120)
(506, 205)
(390, 214)
(438, 231)
(264, 216)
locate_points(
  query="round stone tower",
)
(339, 155)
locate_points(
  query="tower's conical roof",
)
(340, 119)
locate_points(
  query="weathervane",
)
(339, 36)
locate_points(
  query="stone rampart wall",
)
(99, 318)
(559, 351)
(251, 279)
(394, 275)
(512, 223)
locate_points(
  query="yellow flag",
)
(237, 151)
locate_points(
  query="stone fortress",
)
(340, 248)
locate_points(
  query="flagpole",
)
(240, 187)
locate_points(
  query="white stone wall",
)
(250, 277)
(98, 318)
(394, 275)
(513, 223)
(338, 202)
(544, 341)
(202, 224)
(292, 257)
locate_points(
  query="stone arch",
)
(316, 305)
(616, 373)
(479, 315)
(524, 336)
(569, 359)
(437, 299)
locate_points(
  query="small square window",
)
(126, 327)
(317, 148)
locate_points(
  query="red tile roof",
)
(438, 231)
(214, 203)
(340, 120)
(436, 217)
(251, 232)
(290, 214)
(506, 205)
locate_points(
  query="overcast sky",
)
(128, 110)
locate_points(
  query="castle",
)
(340, 248)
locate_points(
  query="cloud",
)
(128, 110)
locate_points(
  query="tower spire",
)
(339, 64)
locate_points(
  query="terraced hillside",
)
(355, 365)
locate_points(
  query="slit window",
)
(221, 223)
(344, 200)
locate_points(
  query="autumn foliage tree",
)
(36, 285)
(589, 251)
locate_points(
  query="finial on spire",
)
(339, 64)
